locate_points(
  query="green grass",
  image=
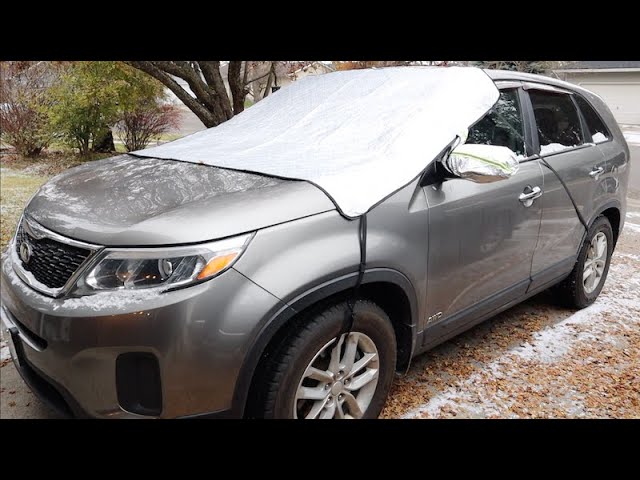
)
(16, 189)
(168, 137)
(164, 138)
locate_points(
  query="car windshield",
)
(359, 135)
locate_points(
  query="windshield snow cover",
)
(358, 135)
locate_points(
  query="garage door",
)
(623, 99)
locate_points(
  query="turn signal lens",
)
(216, 265)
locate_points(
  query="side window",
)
(502, 125)
(557, 120)
(599, 132)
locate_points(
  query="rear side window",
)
(502, 125)
(599, 132)
(557, 121)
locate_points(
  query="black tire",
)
(570, 292)
(280, 376)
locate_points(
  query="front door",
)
(482, 236)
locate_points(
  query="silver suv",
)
(252, 296)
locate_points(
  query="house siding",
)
(620, 90)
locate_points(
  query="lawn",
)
(16, 189)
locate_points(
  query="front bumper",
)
(67, 348)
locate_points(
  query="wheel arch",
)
(390, 289)
(613, 211)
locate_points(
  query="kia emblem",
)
(25, 252)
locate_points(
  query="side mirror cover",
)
(482, 163)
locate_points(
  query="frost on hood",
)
(359, 135)
(121, 190)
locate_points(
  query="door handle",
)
(596, 172)
(527, 197)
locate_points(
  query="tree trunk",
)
(267, 87)
(236, 85)
(104, 142)
(196, 105)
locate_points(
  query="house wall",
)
(620, 90)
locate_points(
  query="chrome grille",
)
(51, 263)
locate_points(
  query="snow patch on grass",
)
(10, 172)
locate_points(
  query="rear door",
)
(565, 143)
(482, 235)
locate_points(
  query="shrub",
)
(92, 97)
(23, 93)
(147, 121)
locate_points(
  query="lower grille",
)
(51, 263)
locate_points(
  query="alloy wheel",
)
(595, 262)
(341, 379)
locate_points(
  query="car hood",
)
(133, 201)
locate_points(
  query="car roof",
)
(496, 75)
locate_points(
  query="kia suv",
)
(144, 287)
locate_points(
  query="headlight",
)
(133, 268)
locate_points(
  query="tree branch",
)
(187, 72)
(205, 115)
(211, 73)
(258, 78)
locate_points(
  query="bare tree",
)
(360, 64)
(539, 67)
(209, 99)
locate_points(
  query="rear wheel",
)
(321, 373)
(585, 282)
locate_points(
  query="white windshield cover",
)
(359, 135)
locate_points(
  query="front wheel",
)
(321, 373)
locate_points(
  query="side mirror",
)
(482, 163)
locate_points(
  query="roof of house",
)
(599, 65)
(326, 66)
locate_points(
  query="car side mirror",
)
(481, 163)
